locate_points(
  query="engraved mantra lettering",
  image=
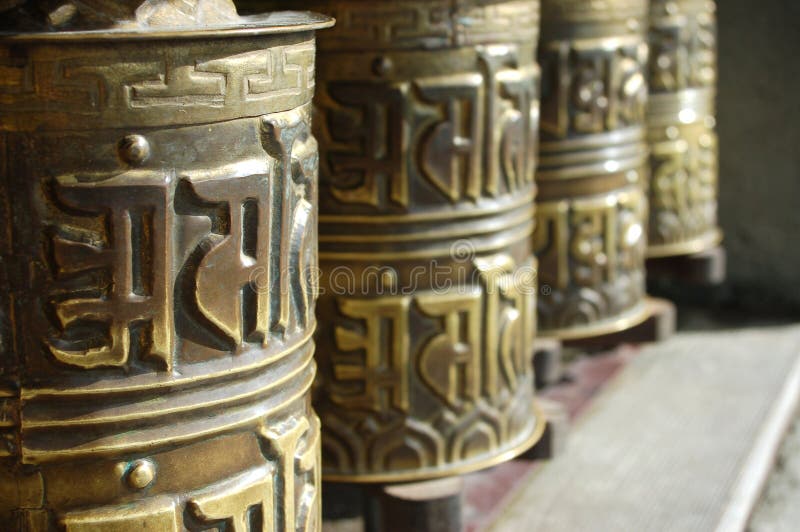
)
(586, 242)
(474, 133)
(132, 303)
(590, 252)
(593, 90)
(139, 222)
(683, 51)
(260, 499)
(484, 336)
(683, 199)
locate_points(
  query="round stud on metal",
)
(142, 473)
(134, 149)
(382, 66)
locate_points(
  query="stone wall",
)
(759, 127)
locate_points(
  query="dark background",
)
(759, 128)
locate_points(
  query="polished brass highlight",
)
(427, 117)
(158, 208)
(592, 207)
(680, 115)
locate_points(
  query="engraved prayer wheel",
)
(681, 128)
(427, 118)
(592, 207)
(158, 209)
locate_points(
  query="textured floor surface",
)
(779, 508)
(664, 446)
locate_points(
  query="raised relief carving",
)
(160, 303)
(273, 483)
(228, 267)
(249, 284)
(461, 134)
(156, 87)
(294, 447)
(428, 141)
(391, 25)
(497, 21)
(512, 129)
(376, 358)
(684, 184)
(287, 138)
(593, 90)
(244, 503)
(683, 46)
(417, 24)
(594, 249)
(134, 305)
(365, 142)
(158, 513)
(450, 362)
(519, 125)
(476, 359)
(473, 134)
(683, 191)
(509, 339)
(591, 211)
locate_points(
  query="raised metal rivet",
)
(142, 473)
(134, 149)
(382, 66)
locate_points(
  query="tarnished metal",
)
(592, 207)
(427, 117)
(158, 208)
(680, 115)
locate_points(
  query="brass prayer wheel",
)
(591, 207)
(680, 115)
(427, 118)
(158, 209)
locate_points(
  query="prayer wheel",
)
(680, 115)
(427, 118)
(158, 211)
(593, 166)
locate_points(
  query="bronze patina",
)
(427, 117)
(680, 115)
(158, 209)
(592, 207)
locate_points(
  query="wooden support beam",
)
(705, 268)
(659, 325)
(431, 506)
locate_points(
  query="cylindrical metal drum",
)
(680, 115)
(157, 205)
(427, 117)
(591, 209)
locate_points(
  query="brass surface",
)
(591, 208)
(158, 205)
(427, 117)
(681, 128)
